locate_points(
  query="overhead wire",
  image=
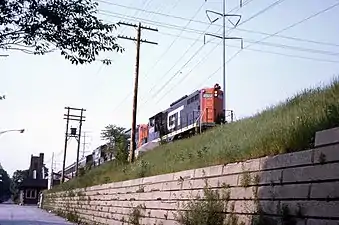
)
(291, 26)
(281, 30)
(165, 52)
(252, 17)
(130, 93)
(176, 27)
(310, 50)
(175, 74)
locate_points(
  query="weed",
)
(141, 189)
(245, 179)
(207, 210)
(136, 214)
(143, 168)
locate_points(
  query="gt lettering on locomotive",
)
(172, 117)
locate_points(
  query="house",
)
(35, 183)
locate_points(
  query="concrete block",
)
(326, 154)
(325, 190)
(311, 173)
(251, 165)
(242, 193)
(186, 194)
(158, 179)
(232, 168)
(208, 171)
(188, 184)
(287, 160)
(240, 167)
(245, 207)
(269, 177)
(149, 187)
(159, 214)
(265, 193)
(322, 222)
(155, 221)
(164, 205)
(174, 185)
(326, 137)
(216, 181)
(183, 175)
(298, 191)
(312, 208)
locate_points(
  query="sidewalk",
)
(11, 214)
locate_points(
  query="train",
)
(191, 114)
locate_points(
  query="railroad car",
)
(188, 115)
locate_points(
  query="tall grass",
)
(287, 127)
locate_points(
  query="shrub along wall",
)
(296, 188)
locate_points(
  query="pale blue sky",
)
(39, 87)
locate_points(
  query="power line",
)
(310, 50)
(280, 45)
(184, 77)
(161, 14)
(257, 14)
(293, 25)
(130, 93)
(262, 11)
(197, 31)
(284, 29)
(175, 74)
(163, 54)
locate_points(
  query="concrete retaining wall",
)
(298, 188)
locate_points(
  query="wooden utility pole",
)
(72, 134)
(136, 80)
(79, 138)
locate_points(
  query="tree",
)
(5, 183)
(118, 142)
(43, 26)
(17, 178)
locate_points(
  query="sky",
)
(38, 88)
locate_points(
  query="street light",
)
(6, 131)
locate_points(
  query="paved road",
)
(11, 214)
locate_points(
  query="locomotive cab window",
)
(151, 122)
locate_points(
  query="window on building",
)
(31, 193)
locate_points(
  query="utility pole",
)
(136, 80)
(74, 134)
(224, 16)
(50, 178)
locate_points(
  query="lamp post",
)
(6, 131)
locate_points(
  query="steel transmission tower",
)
(224, 17)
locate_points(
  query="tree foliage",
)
(43, 26)
(17, 178)
(5, 183)
(118, 142)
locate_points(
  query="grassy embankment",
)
(287, 127)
